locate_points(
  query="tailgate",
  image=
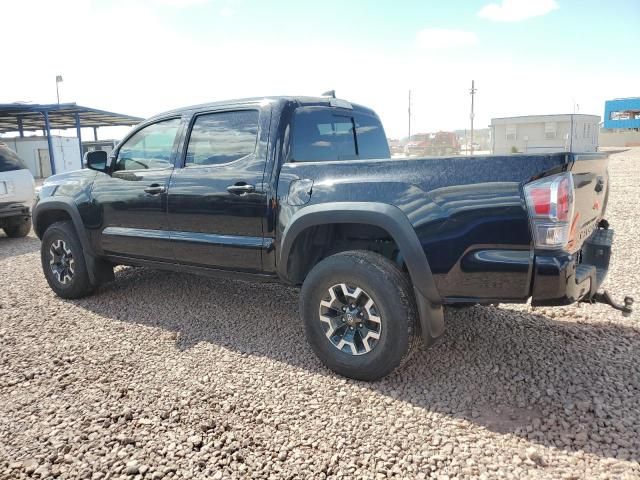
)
(17, 186)
(591, 184)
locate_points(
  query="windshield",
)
(9, 160)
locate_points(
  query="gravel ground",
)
(164, 375)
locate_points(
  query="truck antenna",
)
(330, 93)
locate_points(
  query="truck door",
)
(132, 199)
(217, 200)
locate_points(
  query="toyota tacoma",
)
(301, 190)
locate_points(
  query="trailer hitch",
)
(605, 297)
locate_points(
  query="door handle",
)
(155, 188)
(240, 188)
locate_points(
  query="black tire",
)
(387, 286)
(77, 284)
(18, 228)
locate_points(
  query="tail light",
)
(550, 205)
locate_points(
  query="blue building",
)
(622, 114)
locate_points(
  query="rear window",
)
(372, 141)
(324, 134)
(9, 160)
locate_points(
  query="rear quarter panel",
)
(468, 213)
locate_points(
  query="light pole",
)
(409, 114)
(58, 80)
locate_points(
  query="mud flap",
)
(431, 319)
(100, 271)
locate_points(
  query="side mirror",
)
(96, 160)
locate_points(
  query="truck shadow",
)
(555, 383)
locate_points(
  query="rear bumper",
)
(14, 210)
(564, 278)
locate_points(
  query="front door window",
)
(151, 147)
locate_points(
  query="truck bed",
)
(468, 212)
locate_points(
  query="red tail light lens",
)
(541, 198)
(550, 205)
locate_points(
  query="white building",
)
(545, 133)
(34, 152)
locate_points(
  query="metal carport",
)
(18, 117)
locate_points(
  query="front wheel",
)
(63, 261)
(359, 314)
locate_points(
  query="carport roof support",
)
(17, 117)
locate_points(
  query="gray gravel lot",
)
(163, 375)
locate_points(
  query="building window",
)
(550, 130)
(511, 132)
(621, 115)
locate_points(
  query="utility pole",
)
(409, 112)
(473, 92)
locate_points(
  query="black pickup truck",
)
(302, 190)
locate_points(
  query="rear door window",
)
(218, 138)
(9, 160)
(324, 134)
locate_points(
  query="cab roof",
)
(300, 100)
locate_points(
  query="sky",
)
(144, 57)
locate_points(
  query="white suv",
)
(17, 194)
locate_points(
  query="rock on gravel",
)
(163, 375)
(132, 468)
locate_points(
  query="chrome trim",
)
(137, 232)
(192, 237)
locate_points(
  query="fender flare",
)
(395, 222)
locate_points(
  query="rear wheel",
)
(16, 228)
(359, 314)
(63, 261)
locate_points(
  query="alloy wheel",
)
(61, 261)
(350, 318)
